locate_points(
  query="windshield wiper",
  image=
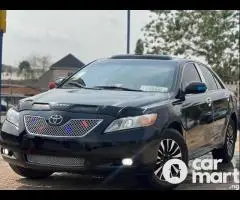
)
(79, 85)
(74, 83)
(117, 88)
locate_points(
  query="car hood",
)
(107, 99)
(99, 97)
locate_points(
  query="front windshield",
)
(135, 74)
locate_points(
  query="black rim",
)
(168, 149)
(230, 140)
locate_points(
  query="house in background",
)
(15, 87)
(11, 93)
(62, 68)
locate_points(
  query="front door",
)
(197, 112)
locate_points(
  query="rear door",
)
(220, 99)
(197, 114)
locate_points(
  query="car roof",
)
(151, 57)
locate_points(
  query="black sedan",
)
(124, 113)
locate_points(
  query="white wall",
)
(11, 76)
(14, 76)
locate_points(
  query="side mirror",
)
(195, 88)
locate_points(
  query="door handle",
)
(226, 95)
(209, 101)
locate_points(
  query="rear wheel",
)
(227, 151)
(30, 173)
(172, 146)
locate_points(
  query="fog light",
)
(127, 161)
(5, 151)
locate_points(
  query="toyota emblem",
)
(55, 119)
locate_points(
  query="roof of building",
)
(69, 61)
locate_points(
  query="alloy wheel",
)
(168, 149)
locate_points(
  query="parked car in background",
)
(3, 106)
(238, 117)
(123, 114)
(3, 110)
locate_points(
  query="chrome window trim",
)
(215, 76)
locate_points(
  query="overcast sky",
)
(87, 34)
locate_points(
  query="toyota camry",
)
(126, 113)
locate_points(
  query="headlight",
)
(131, 122)
(13, 117)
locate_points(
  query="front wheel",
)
(30, 173)
(171, 146)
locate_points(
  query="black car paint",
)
(100, 97)
(104, 151)
(95, 144)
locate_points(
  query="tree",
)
(212, 35)
(139, 47)
(25, 68)
(40, 64)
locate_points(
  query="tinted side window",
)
(219, 85)
(190, 74)
(211, 84)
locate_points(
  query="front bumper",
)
(101, 154)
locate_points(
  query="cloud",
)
(88, 34)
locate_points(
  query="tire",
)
(226, 153)
(30, 173)
(154, 178)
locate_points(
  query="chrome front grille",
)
(37, 125)
(55, 161)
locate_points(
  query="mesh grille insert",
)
(75, 127)
(55, 161)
